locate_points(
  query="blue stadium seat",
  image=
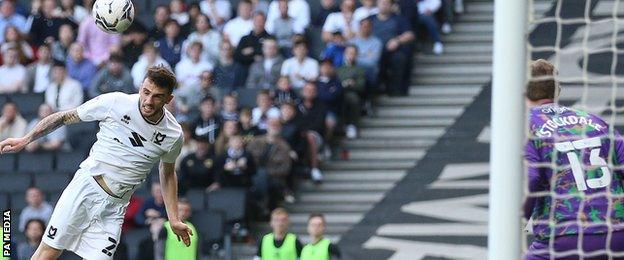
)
(35, 162)
(133, 239)
(247, 97)
(7, 163)
(211, 227)
(4, 201)
(51, 182)
(18, 201)
(3, 99)
(53, 197)
(15, 183)
(196, 198)
(230, 201)
(69, 162)
(28, 104)
(81, 136)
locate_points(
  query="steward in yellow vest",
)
(320, 248)
(172, 248)
(279, 244)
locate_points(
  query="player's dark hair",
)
(162, 77)
(542, 84)
(317, 215)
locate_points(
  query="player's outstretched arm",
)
(169, 185)
(45, 126)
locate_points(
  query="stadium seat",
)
(51, 182)
(133, 238)
(68, 255)
(247, 97)
(4, 201)
(7, 163)
(15, 183)
(196, 198)
(81, 136)
(18, 201)
(28, 104)
(53, 197)
(35, 162)
(69, 162)
(3, 99)
(230, 201)
(211, 227)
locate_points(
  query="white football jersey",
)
(127, 145)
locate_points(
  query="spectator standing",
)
(208, 124)
(114, 77)
(219, 11)
(170, 45)
(197, 170)
(240, 26)
(8, 16)
(52, 141)
(279, 241)
(264, 110)
(133, 41)
(226, 70)
(33, 232)
(342, 21)
(152, 212)
(46, 23)
(161, 16)
(235, 168)
(188, 71)
(167, 245)
(98, 45)
(148, 59)
(396, 35)
(313, 116)
(209, 37)
(265, 72)
(63, 93)
(353, 80)
(300, 68)
(37, 208)
(249, 48)
(38, 73)
(13, 73)
(273, 163)
(369, 51)
(320, 247)
(292, 130)
(284, 28)
(70, 10)
(426, 16)
(327, 7)
(60, 48)
(299, 10)
(330, 92)
(80, 68)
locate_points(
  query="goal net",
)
(583, 172)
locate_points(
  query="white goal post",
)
(508, 133)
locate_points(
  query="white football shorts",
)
(86, 220)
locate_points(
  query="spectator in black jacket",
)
(46, 23)
(292, 130)
(235, 168)
(208, 124)
(197, 169)
(313, 116)
(161, 16)
(249, 49)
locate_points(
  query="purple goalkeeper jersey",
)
(578, 145)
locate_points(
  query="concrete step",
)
(459, 38)
(364, 176)
(423, 101)
(474, 27)
(346, 187)
(452, 70)
(475, 18)
(404, 132)
(457, 90)
(340, 197)
(327, 208)
(456, 59)
(436, 111)
(431, 80)
(404, 122)
(388, 143)
(394, 154)
(366, 165)
(487, 7)
(470, 48)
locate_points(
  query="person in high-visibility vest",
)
(320, 247)
(279, 244)
(168, 245)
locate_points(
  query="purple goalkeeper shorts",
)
(591, 243)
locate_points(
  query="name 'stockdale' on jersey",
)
(128, 145)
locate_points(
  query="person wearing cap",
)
(63, 93)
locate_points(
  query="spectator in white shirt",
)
(177, 12)
(240, 26)
(39, 72)
(367, 9)
(12, 124)
(299, 10)
(63, 93)
(189, 70)
(341, 21)
(265, 110)
(150, 57)
(209, 37)
(50, 142)
(13, 73)
(219, 11)
(300, 68)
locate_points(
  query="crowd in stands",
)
(264, 88)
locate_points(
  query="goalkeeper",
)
(576, 207)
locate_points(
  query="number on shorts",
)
(594, 160)
(110, 249)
